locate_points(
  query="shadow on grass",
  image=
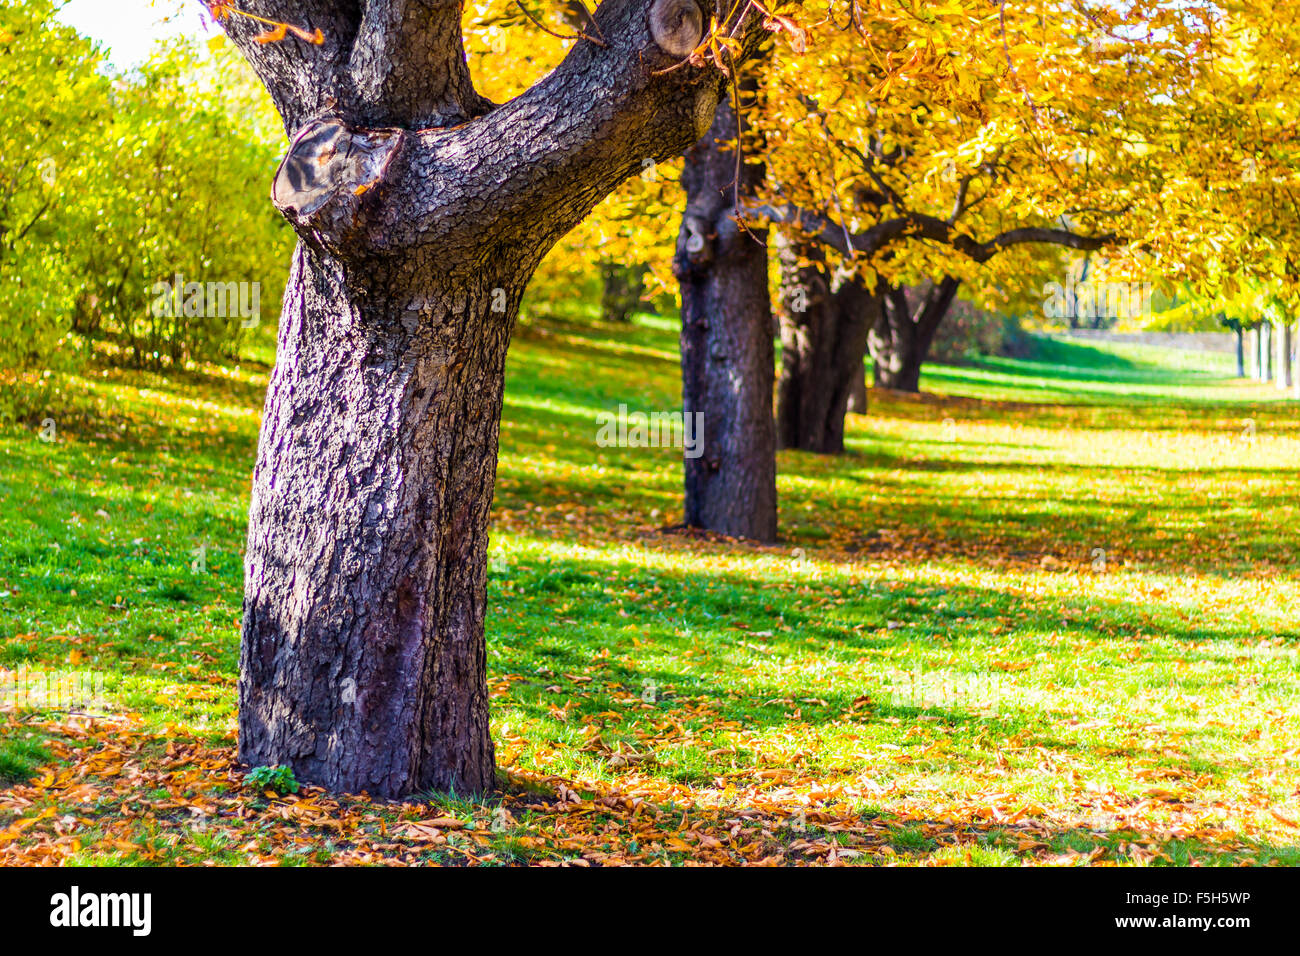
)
(719, 651)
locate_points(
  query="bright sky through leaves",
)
(130, 28)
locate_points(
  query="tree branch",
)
(921, 226)
(408, 66)
(935, 306)
(530, 169)
(304, 80)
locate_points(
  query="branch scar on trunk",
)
(331, 161)
(697, 244)
(677, 26)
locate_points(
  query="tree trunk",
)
(728, 356)
(893, 345)
(901, 337)
(1295, 363)
(823, 339)
(858, 400)
(1241, 353)
(1282, 332)
(363, 661)
(422, 211)
(621, 289)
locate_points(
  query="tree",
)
(825, 319)
(53, 99)
(927, 156)
(421, 209)
(726, 341)
(190, 128)
(622, 287)
(84, 262)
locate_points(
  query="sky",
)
(129, 28)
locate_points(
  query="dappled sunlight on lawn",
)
(994, 632)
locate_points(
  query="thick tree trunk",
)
(823, 339)
(900, 340)
(727, 351)
(363, 660)
(895, 352)
(422, 211)
(1241, 352)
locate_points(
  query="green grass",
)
(1045, 612)
(20, 757)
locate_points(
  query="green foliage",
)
(111, 185)
(54, 105)
(192, 209)
(968, 331)
(279, 779)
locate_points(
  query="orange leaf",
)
(274, 35)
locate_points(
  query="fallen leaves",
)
(154, 798)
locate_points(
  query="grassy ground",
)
(1045, 613)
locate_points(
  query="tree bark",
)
(858, 400)
(1267, 329)
(363, 662)
(422, 211)
(901, 337)
(1295, 363)
(727, 351)
(823, 338)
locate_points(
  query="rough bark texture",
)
(363, 657)
(901, 337)
(824, 325)
(726, 344)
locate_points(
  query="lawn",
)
(1044, 613)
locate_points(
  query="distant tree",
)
(54, 101)
(110, 187)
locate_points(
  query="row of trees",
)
(880, 146)
(1097, 129)
(112, 186)
(900, 173)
